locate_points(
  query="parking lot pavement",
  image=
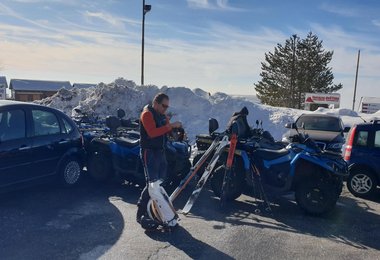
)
(98, 221)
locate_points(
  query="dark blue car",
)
(37, 144)
(363, 155)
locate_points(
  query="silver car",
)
(326, 130)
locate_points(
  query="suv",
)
(362, 153)
(326, 130)
(37, 143)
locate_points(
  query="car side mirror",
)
(212, 125)
(346, 129)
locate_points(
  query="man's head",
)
(161, 103)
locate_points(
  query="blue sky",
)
(216, 45)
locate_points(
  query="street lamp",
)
(292, 76)
(146, 8)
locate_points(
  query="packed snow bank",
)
(192, 107)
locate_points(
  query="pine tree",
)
(298, 67)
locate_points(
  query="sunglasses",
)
(164, 106)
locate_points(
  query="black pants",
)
(155, 168)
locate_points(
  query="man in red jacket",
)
(154, 125)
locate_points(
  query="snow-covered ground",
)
(192, 107)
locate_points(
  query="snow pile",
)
(192, 107)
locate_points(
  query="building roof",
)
(83, 85)
(3, 81)
(38, 85)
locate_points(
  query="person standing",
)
(154, 126)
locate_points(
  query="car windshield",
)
(319, 123)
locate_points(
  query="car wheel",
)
(70, 171)
(361, 183)
(316, 197)
(235, 188)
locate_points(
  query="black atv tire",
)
(362, 183)
(236, 185)
(100, 167)
(316, 196)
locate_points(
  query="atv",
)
(315, 176)
(117, 153)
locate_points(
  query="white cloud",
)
(340, 10)
(215, 5)
(105, 17)
(199, 4)
(64, 2)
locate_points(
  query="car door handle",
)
(24, 147)
(63, 142)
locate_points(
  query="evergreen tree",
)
(298, 67)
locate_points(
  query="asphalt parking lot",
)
(95, 221)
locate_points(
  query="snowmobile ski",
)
(189, 204)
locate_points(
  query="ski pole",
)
(261, 191)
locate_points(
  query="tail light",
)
(350, 142)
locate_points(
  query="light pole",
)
(293, 68)
(356, 81)
(146, 8)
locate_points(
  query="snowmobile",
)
(315, 176)
(117, 153)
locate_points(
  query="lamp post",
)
(146, 8)
(356, 81)
(292, 76)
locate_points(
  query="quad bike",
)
(118, 153)
(315, 176)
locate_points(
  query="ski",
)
(189, 204)
(194, 169)
(228, 171)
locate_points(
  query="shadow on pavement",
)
(353, 222)
(184, 241)
(46, 222)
